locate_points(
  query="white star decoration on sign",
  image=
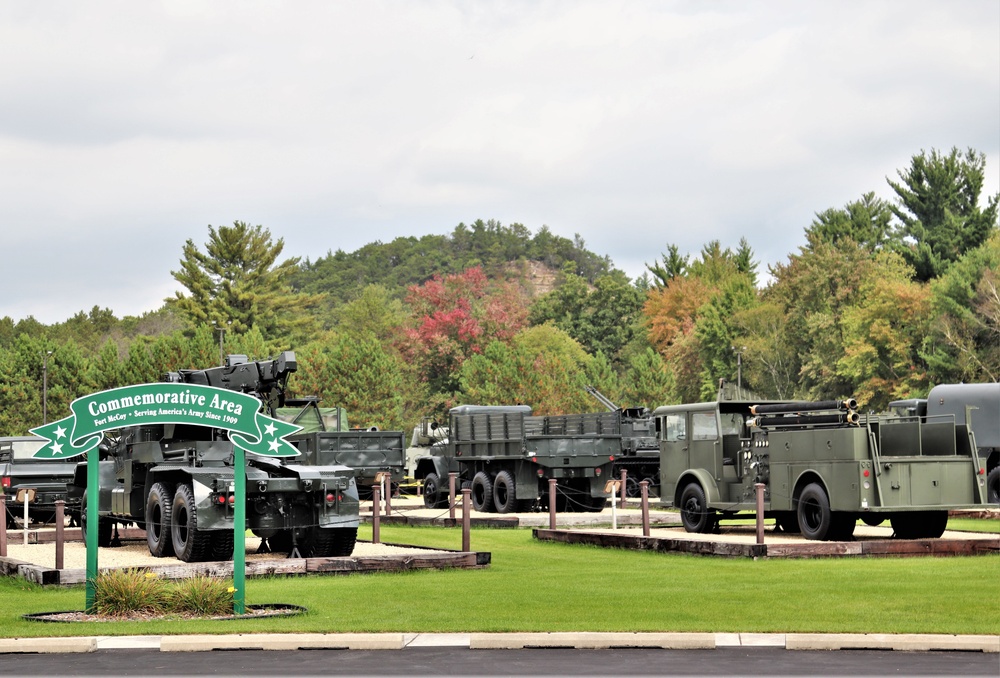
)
(273, 445)
(270, 429)
(57, 448)
(60, 432)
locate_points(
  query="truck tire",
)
(190, 544)
(919, 524)
(104, 525)
(503, 493)
(482, 493)
(435, 496)
(222, 544)
(993, 486)
(695, 513)
(344, 541)
(814, 514)
(158, 507)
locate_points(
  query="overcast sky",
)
(128, 127)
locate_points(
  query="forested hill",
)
(412, 261)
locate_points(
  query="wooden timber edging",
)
(434, 559)
(810, 549)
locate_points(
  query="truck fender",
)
(803, 479)
(703, 478)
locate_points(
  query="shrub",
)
(201, 595)
(122, 592)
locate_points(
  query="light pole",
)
(222, 331)
(45, 387)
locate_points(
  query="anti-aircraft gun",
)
(640, 450)
(177, 480)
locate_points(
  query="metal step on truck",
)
(326, 439)
(823, 466)
(507, 456)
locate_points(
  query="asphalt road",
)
(482, 663)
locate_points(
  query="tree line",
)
(886, 298)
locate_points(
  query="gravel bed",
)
(135, 553)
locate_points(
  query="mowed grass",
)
(541, 586)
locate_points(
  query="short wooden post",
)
(466, 520)
(376, 500)
(644, 491)
(60, 520)
(623, 498)
(3, 527)
(759, 487)
(452, 477)
(552, 503)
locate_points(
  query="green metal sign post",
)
(167, 403)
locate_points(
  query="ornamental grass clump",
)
(201, 595)
(118, 593)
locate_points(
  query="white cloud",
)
(128, 127)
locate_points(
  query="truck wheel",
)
(190, 544)
(317, 543)
(814, 514)
(158, 505)
(344, 540)
(482, 493)
(695, 513)
(434, 495)
(993, 486)
(873, 519)
(104, 525)
(503, 492)
(222, 544)
(594, 504)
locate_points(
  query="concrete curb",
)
(592, 641)
(885, 641)
(283, 641)
(506, 641)
(46, 645)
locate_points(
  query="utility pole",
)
(739, 367)
(45, 387)
(222, 331)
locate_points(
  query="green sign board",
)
(165, 403)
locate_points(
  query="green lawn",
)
(542, 586)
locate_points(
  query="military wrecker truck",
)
(325, 439)
(507, 456)
(983, 404)
(177, 481)
(822, 466)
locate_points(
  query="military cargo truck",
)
(177, 481)
(19, 470)
(822, 465)
(507, 456)
(326, 439)
(983, 404)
